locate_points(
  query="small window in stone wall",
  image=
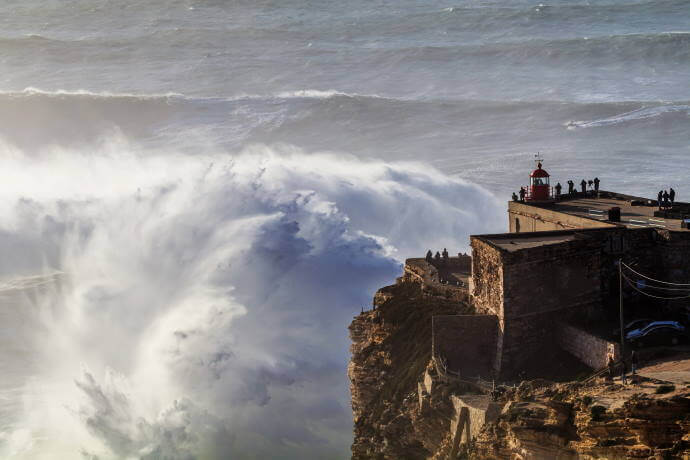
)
(517, 225)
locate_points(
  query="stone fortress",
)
(552, 282)
(519, 330)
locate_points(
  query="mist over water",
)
(198, 195)
(165, 305)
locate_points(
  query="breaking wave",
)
(663, 47)
(634, 115)
(194, 300)
(85, 118)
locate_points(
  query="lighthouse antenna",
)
(538, 158)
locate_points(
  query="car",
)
(632, 325)
(657, 333)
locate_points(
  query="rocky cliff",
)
(404, 409)
(390, 352)
(649, 419)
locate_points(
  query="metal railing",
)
(529, 197)
(442, 369)
(603, 371)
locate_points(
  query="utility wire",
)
(652, 279)
(651, 295)
(660, 288)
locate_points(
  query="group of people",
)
(624, 368)
(592, 183)
(438, 257)
(666, 199)
(593, 186)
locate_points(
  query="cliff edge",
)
(406, 406)
(391, 349)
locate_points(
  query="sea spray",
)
(181, 305)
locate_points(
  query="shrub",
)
(597, 412)
(661, 389)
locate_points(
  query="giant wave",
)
(195, 300)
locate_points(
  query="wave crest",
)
(634, 115)
(218, 287)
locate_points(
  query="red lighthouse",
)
(539, 187)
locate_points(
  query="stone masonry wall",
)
(540, 285)
(466, 342)
(552, 277)
(486, 290)
(481, 409)
(486, 285)
(591, 350)
(532, 219)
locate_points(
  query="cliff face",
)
(403, 409)
(585, 421)
(390, 352)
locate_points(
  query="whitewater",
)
(197, 196)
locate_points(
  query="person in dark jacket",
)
(522, 193)
(571, 187)
(659, 197)
(596, 184)
(515, 197)
(444, 254)
(672, 195)
(558, 189)
(611, 365)
(429, 256)
(665, 197)
(633, 362)
(583, 184)
(437, 257)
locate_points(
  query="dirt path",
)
(676, 370)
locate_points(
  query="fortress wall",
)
(542, 285)
(487, 278)
(591, 350)
(418, 270)
(552, 277)
(532, 219)
(486, 289)
(462, 263)
(675, 256)
(532, 288)
(466, 342)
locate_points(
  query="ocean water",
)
(198, 195)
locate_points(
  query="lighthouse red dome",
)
(539, 172)
(539, 188)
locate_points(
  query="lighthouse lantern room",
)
(539, 187)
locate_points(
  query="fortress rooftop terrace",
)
(512, 242)
(589, 211)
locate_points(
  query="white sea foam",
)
(31, 91)
(208, 294)
(634, 115)
(202, 297)
(296, 94)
